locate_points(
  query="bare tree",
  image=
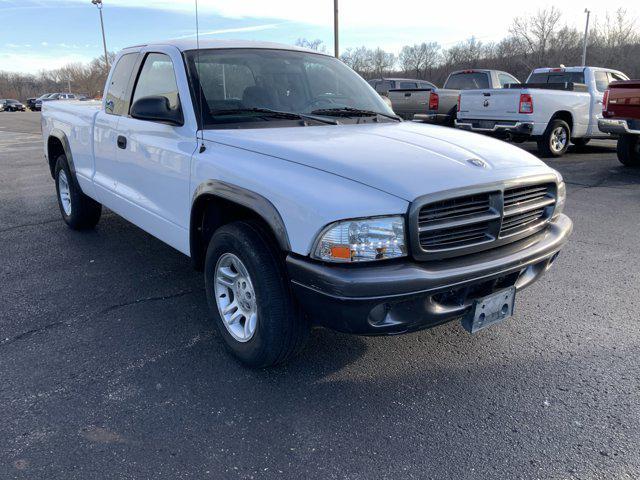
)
(417, 59)
(316, 44)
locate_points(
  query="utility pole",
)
(336, 43)
(586, 34)
(98, 3)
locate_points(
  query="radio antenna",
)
(200, 92)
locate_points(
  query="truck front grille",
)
(465, 224)
(526, 207)
(457, 222)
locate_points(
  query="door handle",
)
(122, 142)
(407, 94)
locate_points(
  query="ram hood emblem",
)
(476, 162)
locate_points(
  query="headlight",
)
(362, 240)
(561, 199)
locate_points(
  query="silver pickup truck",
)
(443, 103)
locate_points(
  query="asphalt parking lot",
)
(111, 368)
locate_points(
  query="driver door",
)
(154, 158)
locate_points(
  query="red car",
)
(621, 112)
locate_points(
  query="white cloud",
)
(255, 28)
(487, 19)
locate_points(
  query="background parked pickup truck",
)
(443, 103)
(407, 96)
(555, 106)
(621, 114)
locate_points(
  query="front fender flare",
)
(246, 198)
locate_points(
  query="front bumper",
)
(404, 296)
(619, 126)
(497, 127)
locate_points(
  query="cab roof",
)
(184, 44)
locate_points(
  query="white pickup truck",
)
(555, 107)
(305, 201)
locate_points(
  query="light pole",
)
(336, 47)
(584, 43)
(98, 3)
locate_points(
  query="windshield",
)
(238, 85)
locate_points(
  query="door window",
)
(157, 78)
(116, 102)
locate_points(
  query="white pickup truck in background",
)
(555, 107)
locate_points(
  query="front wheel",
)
(250, 298)
(78, 211)
(629, 150)
(555, 140)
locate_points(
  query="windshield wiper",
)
(353, 112)
(273, 114)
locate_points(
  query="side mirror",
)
(156, 109)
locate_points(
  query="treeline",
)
(543, 39)
(87, 79)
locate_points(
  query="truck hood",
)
(404, 159)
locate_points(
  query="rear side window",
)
(157, 78)
(468, 81)
(426, 85)
(116, 101)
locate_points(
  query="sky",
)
(45, 34)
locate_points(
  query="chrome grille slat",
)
(447, 234)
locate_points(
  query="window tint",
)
(408, 85)
(602, 80)
(467, 81)
(116, 103)
(556, 77)
(506, 79)
(157, 78)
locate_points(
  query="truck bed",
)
(624, 100)
(74, 119)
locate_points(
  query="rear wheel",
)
(555, 140)
(78, 211)
(250, 297)
(629, 150)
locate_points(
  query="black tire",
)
(281, 329)
(84, 212)
(580, 142)
(629, 150)
(546, 144)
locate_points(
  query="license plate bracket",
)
(486, 124)
(489, 310)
